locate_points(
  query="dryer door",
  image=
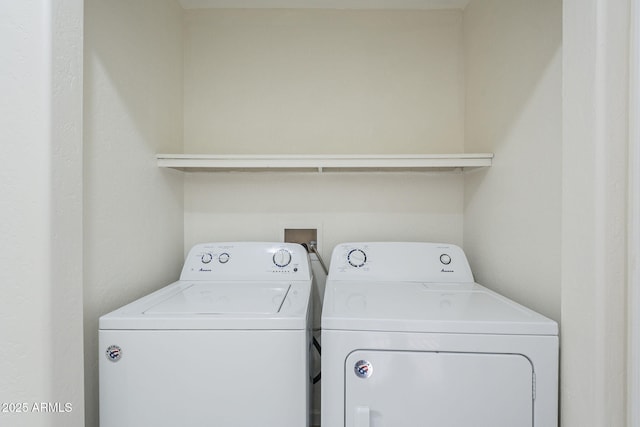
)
(404, 388)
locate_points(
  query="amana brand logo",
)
(363, 369)
(446, 271)
(114, 353)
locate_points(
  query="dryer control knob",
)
(282, 258)
(445, 259)
(357, 257)
(206, 258)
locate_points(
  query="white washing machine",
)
(226, 345)
(408, 339)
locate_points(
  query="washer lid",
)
(224, 298)
(427, 307)
(216, 305)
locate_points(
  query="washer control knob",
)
(223, 258)
(282, 258)
(445, 259)
(357, 257)
(206, 258)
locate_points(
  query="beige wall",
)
(323, 81)
(633, 232)
(345, 207)
(512, 211)
(133, 219)
(41, 212)
(594, 211)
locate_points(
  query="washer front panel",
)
(204, 378)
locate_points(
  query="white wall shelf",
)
(324, 162)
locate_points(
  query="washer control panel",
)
(400, 261)
(246, 261)
(282, 257)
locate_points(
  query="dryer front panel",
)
(444, 389)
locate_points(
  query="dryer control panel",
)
(247, 261)
(400, 261)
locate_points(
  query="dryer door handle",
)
(362, 416)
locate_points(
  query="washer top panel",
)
(242, 305)
(427, 307)
(227, 286)
(224, 298)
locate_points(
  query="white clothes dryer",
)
(226, 345)
(408, 339)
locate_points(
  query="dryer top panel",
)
(466, 308)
